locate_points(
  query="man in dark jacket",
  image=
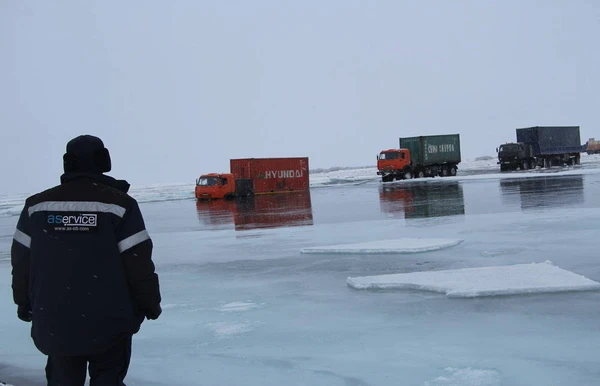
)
(83, 271)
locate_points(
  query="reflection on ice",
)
(422, 200)
(544, 192)
(261, 211)
(216, 212)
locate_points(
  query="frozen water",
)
(403, 245)
(485, 281)
(242, 305)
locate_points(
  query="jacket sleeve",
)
(135, 246)
(20, 260)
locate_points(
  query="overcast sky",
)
(177, 88)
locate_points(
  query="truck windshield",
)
(207, 181)
(509, 148)
(389, 155)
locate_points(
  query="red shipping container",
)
(273, 175)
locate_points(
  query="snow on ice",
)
(238, 306)
(402, 245)
(487, 281)
(466, 377)
(226, 330)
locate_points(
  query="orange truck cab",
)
(215, 186)
(393, 162)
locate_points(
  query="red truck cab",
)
(390, 161)
(215, 186)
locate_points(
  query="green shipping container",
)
(433, 149)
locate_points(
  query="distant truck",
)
(254, 176)
(592, 146)
(542, 146)
(418, 157)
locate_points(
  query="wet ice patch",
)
(487, 281)
(225, 330)
(238, 306)
(466, 377)
(402, 245)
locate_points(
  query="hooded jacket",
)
(82, 261)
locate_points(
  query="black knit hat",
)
(86, 153)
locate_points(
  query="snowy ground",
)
(243, 305)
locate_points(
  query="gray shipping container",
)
(433, 149)
(547, 140)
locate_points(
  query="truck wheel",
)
(408, 175)
(532, 164)
(453, 171)
(421, 174)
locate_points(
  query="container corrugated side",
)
(273, 175)
(433, 149)
(551, 139)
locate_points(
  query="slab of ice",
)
(486, 281)
(403, 245)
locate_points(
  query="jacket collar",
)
(121, 185)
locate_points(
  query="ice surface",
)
(485, 281)
(402, 245)
(246, 308)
